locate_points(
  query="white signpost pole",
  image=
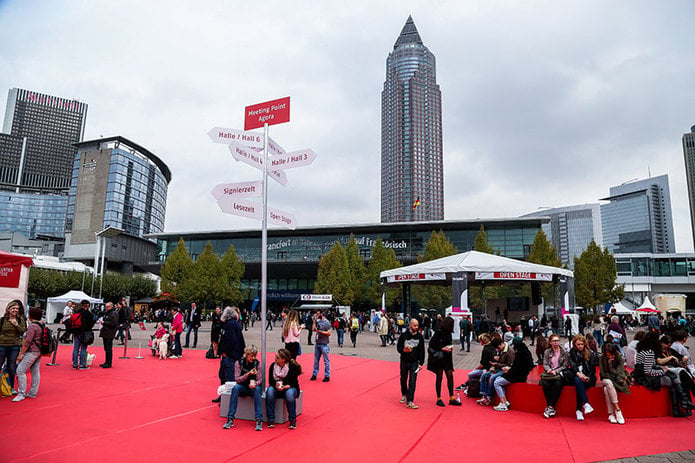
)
(264, 252)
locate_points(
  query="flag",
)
(416, 203)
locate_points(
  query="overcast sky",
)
(545, 103)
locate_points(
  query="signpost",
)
(245, 146)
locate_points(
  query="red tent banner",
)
(9, 275)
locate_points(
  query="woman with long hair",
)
(583, 363)
(556, 361)
(614, 379)
(290, 332)
(440, 360)
(283, 381)
(12, 328)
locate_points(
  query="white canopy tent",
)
(56, 304)
(647, 304)
(621, 309)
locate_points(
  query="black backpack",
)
(46, 343)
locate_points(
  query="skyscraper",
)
(411, 133)
(638, 217)
(36, 159)
(689, 154)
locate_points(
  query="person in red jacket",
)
(177, 329)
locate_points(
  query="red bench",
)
(639, 403)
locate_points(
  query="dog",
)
(163, 347)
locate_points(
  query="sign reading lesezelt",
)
(316, 297)
(514, 276)
(270, 112)
(416, 277)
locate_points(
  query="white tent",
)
(472, 261)
(56, 304)
(621, 309)
(647, 304)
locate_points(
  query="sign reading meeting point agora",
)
(514, 276)
(270, 112)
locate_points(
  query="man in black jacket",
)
(108, 332)
(411, 346)
(231, 345)
(193, 323)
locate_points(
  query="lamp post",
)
(108, 232)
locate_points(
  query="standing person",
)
(568, 327)
(556, 361)
(309, 324)
(383, 329)
(354, 329)
(231, 346)
(13, 325)
(246, 376)
(215, 329)
(291, 330)
(583, 363)
(120, 309)
(30, 357)
(108, 332)
(192, 324)
(342, 324)
(533, 328)
(440, 360)
(283, 381)
(176, 330)
(597, 327)
(269, 320)
(614, 379)
(322, 349)
(411, 346)
(465, 330)
(67, 311)
(79, 350)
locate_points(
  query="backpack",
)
(355, 324)
(47, 343)
(74, 323)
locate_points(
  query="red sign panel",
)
(9, 275)
(270, 112)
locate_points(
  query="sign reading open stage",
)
(514, 276)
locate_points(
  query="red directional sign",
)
(270, 112)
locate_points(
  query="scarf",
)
(280, 372)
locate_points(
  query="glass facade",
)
(689, 155)
(650, 265)
(33, 214)
(412, 175)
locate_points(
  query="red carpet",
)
(152, 410)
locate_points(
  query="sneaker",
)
(85, 368)
(484, 402)
(18, 398)
(75, 367)
(553, 412)
(403, 399)
(580, 415)
(14, 391)
(440, 403)
(546, 413)
(619, 417)
(454, 402)
(271, 424)
(293, 424)
(313, 378)
(326, 379)
(588, 408)
(259, 426)
(501, 407)
(612, 419)
(411, 405)
(506, 402)
(228, 424)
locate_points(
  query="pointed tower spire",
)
(409, 34)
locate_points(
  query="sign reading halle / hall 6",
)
(238, 190)
(240, 137)
(270, 112)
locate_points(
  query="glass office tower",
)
(689, 154)
(412, 187)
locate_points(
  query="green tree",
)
(382, 259)
(333, 276)
(481, 244)
(233, 270)
(432, 295)
(595, 277)
(478, 295)
(358, 272)
(205, 282)
(545, 253)
(175, 271)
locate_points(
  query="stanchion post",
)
(55, 352)
(139, 350)
(125, 346)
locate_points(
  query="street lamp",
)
(100, 252)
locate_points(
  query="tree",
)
(594, 277)
(233, 270)
(205, 282)
(175, 270)
(357, 271)
(480, 243)
(545, 253)
(382, 259)
(476, 294)
(334, 275)
(429, 295)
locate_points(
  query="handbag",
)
(5, 389)
(88, 337)
(435, 354)
(545, 376)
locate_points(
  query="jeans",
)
(10, 354)
(227, 368)
(598, 337)
(487, 380)
(500, 383)
(79, 351)
(322, 350)
(108, 351)
(31, 360)
(581, 388)
(290, 396)
(195, 335)
(408, 380)
(241, 390)
(466, 339)
(341, 337)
